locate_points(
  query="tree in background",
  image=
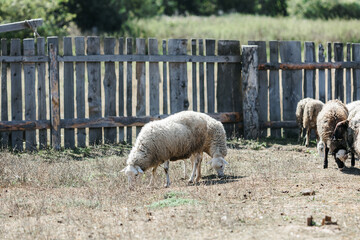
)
(56, 20)
(109, 15)
(272, 7)
(326, 9)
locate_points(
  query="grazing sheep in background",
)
(332, 113)
(176, 137)
(299, 115)
(311, 111)
(349, 130)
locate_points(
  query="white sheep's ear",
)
(139, 169)
(225, 162)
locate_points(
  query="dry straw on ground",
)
(82, 195)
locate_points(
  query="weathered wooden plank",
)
(80, 123)
(348, 74)
(110, 90)
(309, 78)
(178, 77)
(274, 89)
(329, 77)
(322, 91)
(121, 90)
(308, 66)
(210, 76)
(356, 72)
(201, 78)
(24, 59)
(280, 124)
(30, 101)
(129, 50)
(141, 82)
(194, 78)
(290, 51)
(138, 58)
(41, 92)
(165, 88)
(80, 89)
(16, 95)
(228, 84)
(227, 117)
(263, 84)
(154, 79)
(69, 134)
(339, 73)
(250, 89)
(4, 136)
(23, 125)
(94, 89)
(54, 94)
(16, 26)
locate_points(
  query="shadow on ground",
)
(351, 170)
(266, 143)
(214, 179)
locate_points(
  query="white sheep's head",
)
(321, 149)
(131, 172)
(218, 163)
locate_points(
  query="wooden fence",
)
(99, 96)
(90, 94)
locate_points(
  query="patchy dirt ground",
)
(82, 195)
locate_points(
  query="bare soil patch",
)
(82, 195)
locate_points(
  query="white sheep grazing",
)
(177, 137)
(311, 111)
(215, 147)
(299, 115)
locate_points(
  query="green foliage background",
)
(120, 17)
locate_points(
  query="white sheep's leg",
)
(166, 169)
(194, 164)
(300, 134)
(307, 137)
(198, 170)
(184, 169)
(153, 178)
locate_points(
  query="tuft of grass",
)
(173, 199)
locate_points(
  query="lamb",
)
(311, 111)
(299, 115)
(332, 113)
(176, 137)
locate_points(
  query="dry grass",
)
(82, 194)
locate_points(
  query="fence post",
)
(250, 89)
(54, 99)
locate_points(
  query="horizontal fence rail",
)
(123, 58)
(309, 66)
(231, 117)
